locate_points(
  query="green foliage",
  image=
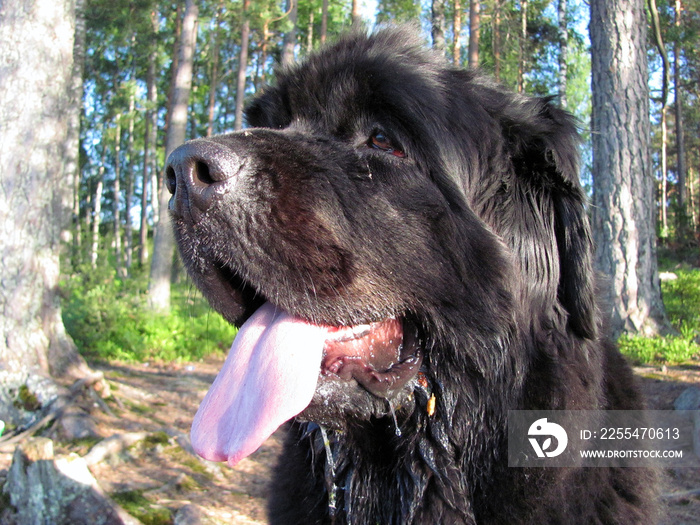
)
(84, 444)
(192, 464)
(108, 319)
(397, 11)
(682, 300)
(26, 400)
(6, 501)
(134, 502)
(157, 438)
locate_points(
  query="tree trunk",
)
(128, 201)
(290, 37)
(164, 240)
(563, 51)
(522, 52)
(36, 57)
(497, 39)
(88, 224)
(664, 175)
(72, 148)
(656, 25)
(264, 49)
(149, 142)
(680, 137)
(97, 210)
(623, 196)
(324, 22)
(694, 190)
(116, 188)
(457, 43)
(242, 67)
(153, 170)
(356, 18)
(474, 23)
(310, 34)
(214, 81)
(438, 25)
(177, 41)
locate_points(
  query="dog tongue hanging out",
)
(268, 378)
(405, 248)
(271, 372)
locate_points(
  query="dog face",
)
(398, 216)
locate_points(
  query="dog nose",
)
(196, 171)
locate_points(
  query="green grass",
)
(682, 301)
(108, 319)
(141, 508)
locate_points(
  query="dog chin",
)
(339, 404)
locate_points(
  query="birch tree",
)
(438, 24)
(563, 51)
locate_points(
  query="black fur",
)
(478, 238)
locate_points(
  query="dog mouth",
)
(281, 365)
(381, 356)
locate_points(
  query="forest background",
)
(131, 53)
(95, 93)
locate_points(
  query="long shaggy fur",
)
(477, 236)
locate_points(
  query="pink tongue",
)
(268, 378)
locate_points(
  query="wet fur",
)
(479, 236)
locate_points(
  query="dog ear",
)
(577, 276)
(268, 109)
(545, 153)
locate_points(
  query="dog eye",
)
(380, 141)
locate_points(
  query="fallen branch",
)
(112, 446)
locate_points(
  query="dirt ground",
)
(162, 399)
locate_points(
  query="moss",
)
(187, 484)
(195, 466)
(5, 501)
(84, 444)
(26, 400)
(157, 438)
(143, 410)
(136, 504)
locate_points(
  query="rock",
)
(62, 491)
(690, 400)
(75, 423)
(24, 396)
(191, 514)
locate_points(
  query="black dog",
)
(406, 247)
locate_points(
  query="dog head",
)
(382, 226)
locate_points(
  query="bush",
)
(108, 318)
(682, 301)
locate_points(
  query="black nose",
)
(195, 171)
